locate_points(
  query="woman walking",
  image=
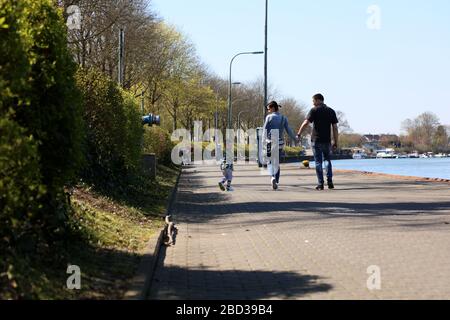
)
(276, 122)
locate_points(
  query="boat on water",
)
(386, 154)
(427, 155)
(414, 155)
(359, 154)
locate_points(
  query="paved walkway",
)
(297, 243)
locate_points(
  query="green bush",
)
(157, 141)
(293, 151)
(134, 134)
(55, 115)
(40, 130)
(15, 59)
(20, 185)
(39, 94)
(114, 131)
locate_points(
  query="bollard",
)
(149, 166)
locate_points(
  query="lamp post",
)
(233, 102)
(230, 84)
(239, 118)
(265, 59)
(121, 57)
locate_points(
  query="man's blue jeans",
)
(322, 152)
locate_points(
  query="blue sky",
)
(378, 78)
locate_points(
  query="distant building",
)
(390, 140)
(372, 137)
(371, 142)
(374, 142)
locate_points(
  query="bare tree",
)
(343, 125)
(421, 130)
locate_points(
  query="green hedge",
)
(20, 181)
(114, 132)
(40, 131)
(157, 141)
(15, 64)
(40, 99)
(293, 151)
(46, 101)
(56, 125)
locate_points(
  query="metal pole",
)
(121, 54)
(265, 60)
(230, 83)
(229, 87)
(229, 92)
(239, 120)
(142, 103)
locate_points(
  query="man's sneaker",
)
(330, 185)
(274, 184)
(320, 187)
(229, 188)
(221, 186)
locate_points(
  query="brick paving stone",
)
(297, 243)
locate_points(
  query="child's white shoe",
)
(274, 184)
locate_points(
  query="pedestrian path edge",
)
(141, 283)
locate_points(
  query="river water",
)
(426, 168)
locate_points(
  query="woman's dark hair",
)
(274, 105)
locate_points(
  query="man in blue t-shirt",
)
(324, 119)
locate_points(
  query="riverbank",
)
(393, 176)
(293, 159)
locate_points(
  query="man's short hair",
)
(319, 97)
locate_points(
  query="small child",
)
(227, 171)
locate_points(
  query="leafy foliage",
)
(157, 141)
(114, 131)
(40, 130)
(40, 96)
(20, 181)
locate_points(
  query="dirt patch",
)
(394, 176)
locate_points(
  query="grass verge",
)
(106, 239)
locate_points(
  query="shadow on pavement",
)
(204, 284)
(197, 206)
(429, 215)
(213, 204)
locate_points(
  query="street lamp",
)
(230, 84)
(235, 101)
(265, 59)
(239, 118)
